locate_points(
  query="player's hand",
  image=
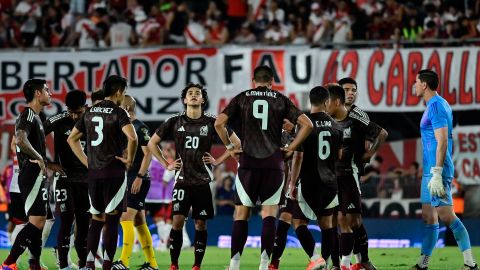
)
(56, 168)
(367, 157)
(128, 163)
(287, 125)
(41, 164)
(136, 185)
(208, 159)
(292, 192)
(235, 153)
(175, 165)
(435, 186)
(287, 153)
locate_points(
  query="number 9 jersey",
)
(102, 124)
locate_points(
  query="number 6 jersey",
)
(102, 124)
(193, 138)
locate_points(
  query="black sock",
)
(93, 239)
(107, 265)
(346, 243)
(327, 242)
(110, 237)
(361, 241)
(63, 238)
(306, 239)
(200, 246)
(280, 242)
(176, 241)
(239, 237)
(81, 224)
(24, 238)
(335, 248)
(268, 235)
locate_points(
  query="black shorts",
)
(71, 197)
(34, 191)
(349, 194)
(159, 210)
(16, 211)
(199, 198)
(292, 207)
(137, 201)
(107, 194)
(252, 185)
(315, 199)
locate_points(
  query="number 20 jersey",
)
(102, 124)
(193, 138)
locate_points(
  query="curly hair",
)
(199, 86)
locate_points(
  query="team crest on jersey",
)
(204, 131)
(347, 133)
(68, 132)
(176, 207)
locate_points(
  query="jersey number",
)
(98, 130)
(192, 142)
(323, 145)
(59, 193)
(261, 115)
(178, 194)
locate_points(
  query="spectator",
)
(51, 26)
(299, 32)
(275, 12)
(28, 12)
(120, 34)
(396, 190)
(67, 23)
(177, 21)
(213, 11)
(9, 32)
(260, 22)
(275, 35)
(451, 14)
(319, 24)
(236, 15)
(371, 6)
(86, 35)
(431, 31)
(195, 31)
(432, 15)
(245, 35)
(147, 29)
(217, 32)
(413, 31)
(225, 195)
(342, 31)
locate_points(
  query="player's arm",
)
(12, 145)
(375, 145)
(153, 146)
(147, 158)
(21, 140)
(295, 172)
(441, 136)
(207, 158)
(233, 148)
(305, 127)
(129, 131)
(74, 142)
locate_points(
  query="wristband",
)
(141, 176)
(230, 146)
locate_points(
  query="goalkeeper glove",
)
(435, 186)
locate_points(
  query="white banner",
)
(385, 77)
(467, 154)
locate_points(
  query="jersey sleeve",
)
(52, 123)
(25, 121)
(143, 135)
(370, 128)
(80, 125)
(233, 107)
(165, 129)
(437, 115)
(123, 118)
(292, 111)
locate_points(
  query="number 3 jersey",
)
(102, 124)
(320, 150)
(193, 138)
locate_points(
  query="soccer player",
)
(70, 203)
(349, 168)
(436, 195)
(361, 243)
(138, 184)
(193, 133)
(31, 153)
(105, 126)
(260, 113)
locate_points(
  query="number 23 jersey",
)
(193, 138)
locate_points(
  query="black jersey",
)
(320, 150)
(260, 113)
(102, 124)
(356, 129)
(61, 125)
(31, 123)
(193, 138)
(143, 135)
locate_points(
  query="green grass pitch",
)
(448, 258)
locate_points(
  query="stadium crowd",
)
(88, 24)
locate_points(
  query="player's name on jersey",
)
(323, 123)
(261, 94)
(101, 110)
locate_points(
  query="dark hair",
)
(199, 86)
(263, 74)
(318, 95)
(336, 92)
(97, 95)
(113, 84)
(347, 80)
(430, 77)
(30, 86)
(75, 99)
(379, 159)
(415, 164)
